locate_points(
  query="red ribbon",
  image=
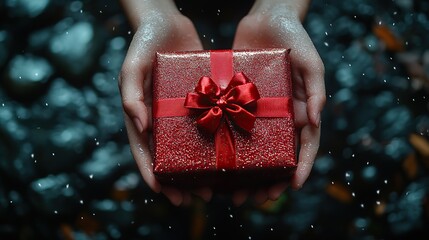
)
(223, 106)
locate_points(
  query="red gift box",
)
(223, 118)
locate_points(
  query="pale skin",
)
(159, 26)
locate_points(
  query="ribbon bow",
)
(223, 105)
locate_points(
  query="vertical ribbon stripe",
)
(221, 68)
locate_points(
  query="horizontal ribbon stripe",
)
(269, 107)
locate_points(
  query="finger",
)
(275, 191)
(239, 197)
(187, 199)
(313, 75)
(309, 145)
(139, 145)
(300, 113)
(260, 196)
(132, 80)
(204, 193)
(174, 195)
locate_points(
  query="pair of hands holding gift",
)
(270, 23)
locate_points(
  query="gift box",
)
(223, 118)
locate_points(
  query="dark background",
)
(65, 167)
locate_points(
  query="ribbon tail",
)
(225, 147)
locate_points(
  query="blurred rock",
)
(405, 213)
(54, 195)
(106, 162)
(27, 76)
(75, 46)
(5, 45)
(26, 8)
(67, 142)
(396, 122)
(114, 55)
(113, 213)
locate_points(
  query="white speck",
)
(81, 201)
(332, 183)
(2, 104)
(32, 155)
(56, 212)
(271, 229)
(326, 44)
(53, 154)
(326, 33)
(81, 11)
(212, 40)
(353, 194)
(231, 216)
(378, 191)
(129, 32)
(91, 176)
(67, 185)
(46, 104)
(385, 181)
(394, 68)
(39, 184)
(169, 227)
(10, 201)
(377, 202)
(311, 226)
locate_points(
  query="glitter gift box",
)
(223, 118)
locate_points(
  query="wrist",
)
(139, 11)
(291, 9)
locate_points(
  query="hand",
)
(277, 23)
(160, 27)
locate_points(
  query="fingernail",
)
(317, 120)
(138, 124)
